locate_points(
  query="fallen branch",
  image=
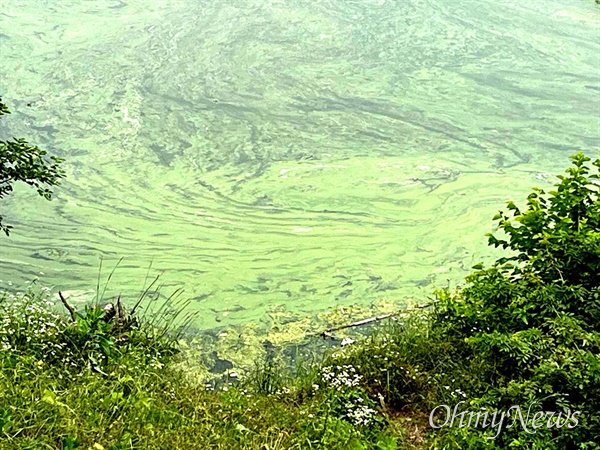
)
(327, 333)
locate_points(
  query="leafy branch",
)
(20, 161)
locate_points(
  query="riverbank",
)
(509, 360)
(86, 385)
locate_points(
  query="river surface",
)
(303, 154)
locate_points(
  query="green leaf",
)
(49, 397)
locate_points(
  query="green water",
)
(306, 153)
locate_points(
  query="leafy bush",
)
(557, 239)
(535, 315)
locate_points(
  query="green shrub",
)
(535, 315)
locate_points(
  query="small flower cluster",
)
(341, 377)
(155, 362)
(25, 322)
(458, 392)
(411, 372)
(352, 402)
(360, 414)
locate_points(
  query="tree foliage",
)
(20, 161)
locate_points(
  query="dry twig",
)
(69, 307)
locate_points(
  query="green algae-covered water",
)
(305, 153)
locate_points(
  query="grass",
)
(91, 384)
